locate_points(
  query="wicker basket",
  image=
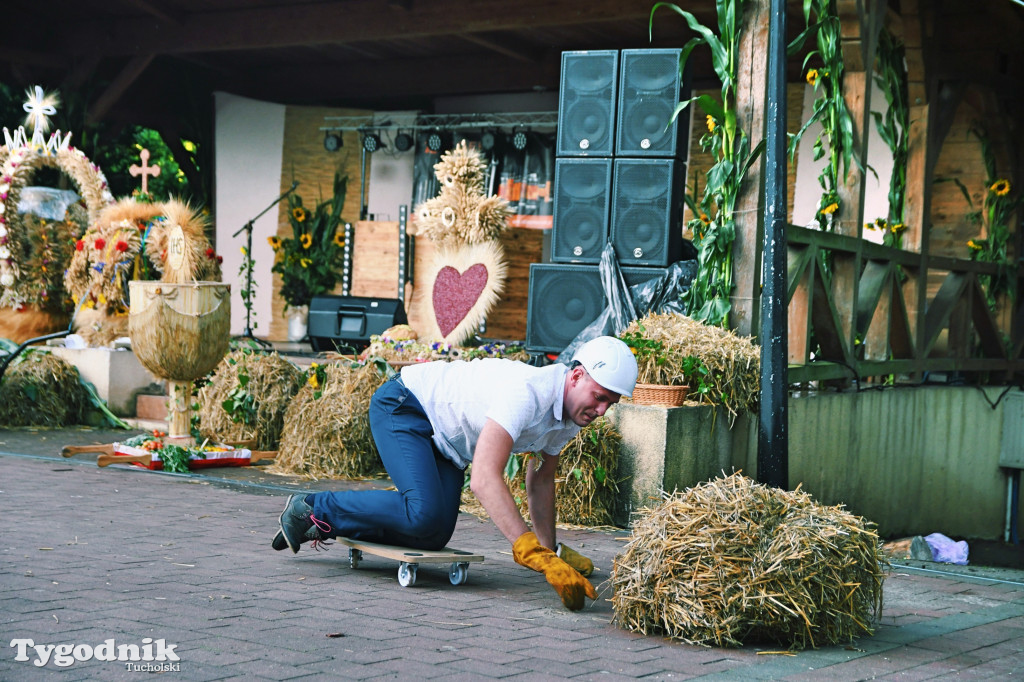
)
(659, 394)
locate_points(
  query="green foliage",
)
(714, 229)
(830, 110)
(996, 217)
(175, 458)
(240, 405)
(310, 260)
(891, 77)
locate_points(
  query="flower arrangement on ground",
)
(310, 260)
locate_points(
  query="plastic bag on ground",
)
(946, 550)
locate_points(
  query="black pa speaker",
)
(587, 99)
(646, 210)
(650, 87)
(582, 208)
(563, 300)
(634, 276)
(351, 320)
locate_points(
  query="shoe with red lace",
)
(298, 525)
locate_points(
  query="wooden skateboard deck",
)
(409, 559)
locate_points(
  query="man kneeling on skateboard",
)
(433, 419)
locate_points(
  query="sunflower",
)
(1000, 188)
(974, 245)
(307, 240)
(869, 226)
(339, 239)
(812, 76)
(275, 242)
(299, 214)
(831, 208)
(711, 123)
(305, 262)
(897, 228)
(705, 219)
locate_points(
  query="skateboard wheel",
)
(406, 574)
(354, 557)
(458, 574)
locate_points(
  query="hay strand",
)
(731, 561)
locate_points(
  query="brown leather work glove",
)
(570, 556)
(570, 585)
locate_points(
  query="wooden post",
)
(751, 77)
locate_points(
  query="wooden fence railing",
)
(863, 311)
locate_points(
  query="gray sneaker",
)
(298, 525)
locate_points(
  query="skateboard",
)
(410, 559)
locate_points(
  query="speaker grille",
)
(645, 211)
(650, 89)
(586, 103)
(582, 207)
(563, 300)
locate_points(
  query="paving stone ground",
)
(90, 554)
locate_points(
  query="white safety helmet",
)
(609, 362)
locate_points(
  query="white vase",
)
(297, 322)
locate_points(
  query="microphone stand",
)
(247, 299)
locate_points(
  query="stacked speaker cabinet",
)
(646, 211)
(650, 87)
(565, 298)
(583, 197)
(619, 178)
(587, 99)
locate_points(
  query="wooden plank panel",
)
(375, 259)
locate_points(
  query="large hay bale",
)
(327, 425)
(257, 389)
(732, 561)
(584, 488)
(41, 389)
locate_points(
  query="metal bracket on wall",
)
(346, 261)
(404, 251)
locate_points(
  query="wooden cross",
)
(144, 170)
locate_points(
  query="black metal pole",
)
(773, 436)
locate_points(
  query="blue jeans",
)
(423, 510)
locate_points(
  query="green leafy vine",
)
(830, 110)
(714, 226)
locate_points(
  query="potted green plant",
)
(309, 262)
(661, 377)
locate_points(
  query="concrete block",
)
(117, 375)
(669, 448)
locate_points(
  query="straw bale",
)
(732, 561)
(41, 389)
(733, 362)
(270, 384)
(327, 425)
(585, 491)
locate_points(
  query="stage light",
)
(371, 142)
(487, 140)
(519, 140)
(333, 142)
(403, 142)
(434, 141)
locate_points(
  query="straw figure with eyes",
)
(468, 272)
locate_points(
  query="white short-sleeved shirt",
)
(459, 397)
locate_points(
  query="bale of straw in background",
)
(257, 402)
(733, 362)
(584, 488)
(41, 389)
(327, 425)
(731, 561)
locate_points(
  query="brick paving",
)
(89, 554)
